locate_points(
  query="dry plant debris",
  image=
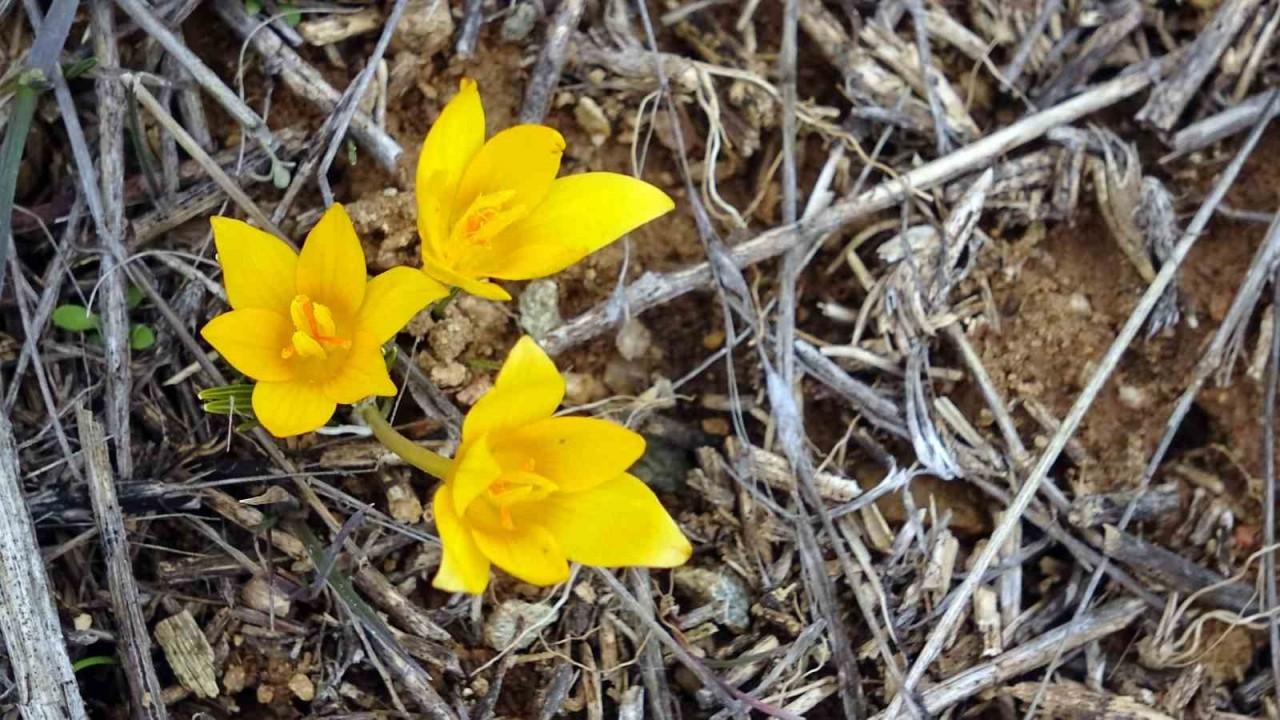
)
(956, 362)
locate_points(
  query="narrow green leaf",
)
(236, 399)
(22, 112)
(133, 297)
(92, 661)
(223, 392)
(79, 68)
(482, 364)
(438, 307)
(34, 78)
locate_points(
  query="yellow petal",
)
(523, 159)
(529, 553)
(474, 470)
(581, 214)
(472, 286)
(364, 373)
(251, 341)
(528, 388)
(618, 523)
(258, 268)
(573, 452)
(392, 299)
(291, 408)
(455, 137)
(463, 568)
(331, 268)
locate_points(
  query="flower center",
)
(516, 488)
(314, 331)
(485, 217)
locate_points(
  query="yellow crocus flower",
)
(529, 492)
(496, 209)
(309, 327)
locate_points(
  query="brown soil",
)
(1063, 298)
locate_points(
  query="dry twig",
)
(36, 650)
(131, 627)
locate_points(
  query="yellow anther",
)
(314, 330)
(306, 346)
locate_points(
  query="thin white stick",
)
(960, 599)
(654, 289)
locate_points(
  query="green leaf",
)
(223, 392)
(79, 68)
(438, 307)
(22, 111)
(75, 318)
(133, 297)
(482, 364)
(290, 15)
(253, 7)
(141, 337)
(235, 399)
(92, 661)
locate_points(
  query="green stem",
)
(432, 463)
(439, 306)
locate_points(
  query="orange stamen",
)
(313, 328)
(477, 220)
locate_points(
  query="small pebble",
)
(302, 687)
(1133, 397)
(592, 119)
(540, 308)
(474, 390)
(634, 340)
(234, 679)
(520, 22)
(583, 388)
(449, 338)
(1079, 304)
(516, 619)
(425, 28)
(449, 375)
(263, 597)
(403, 502)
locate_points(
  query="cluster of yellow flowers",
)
(525, 491)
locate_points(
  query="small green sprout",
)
(78, 318)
